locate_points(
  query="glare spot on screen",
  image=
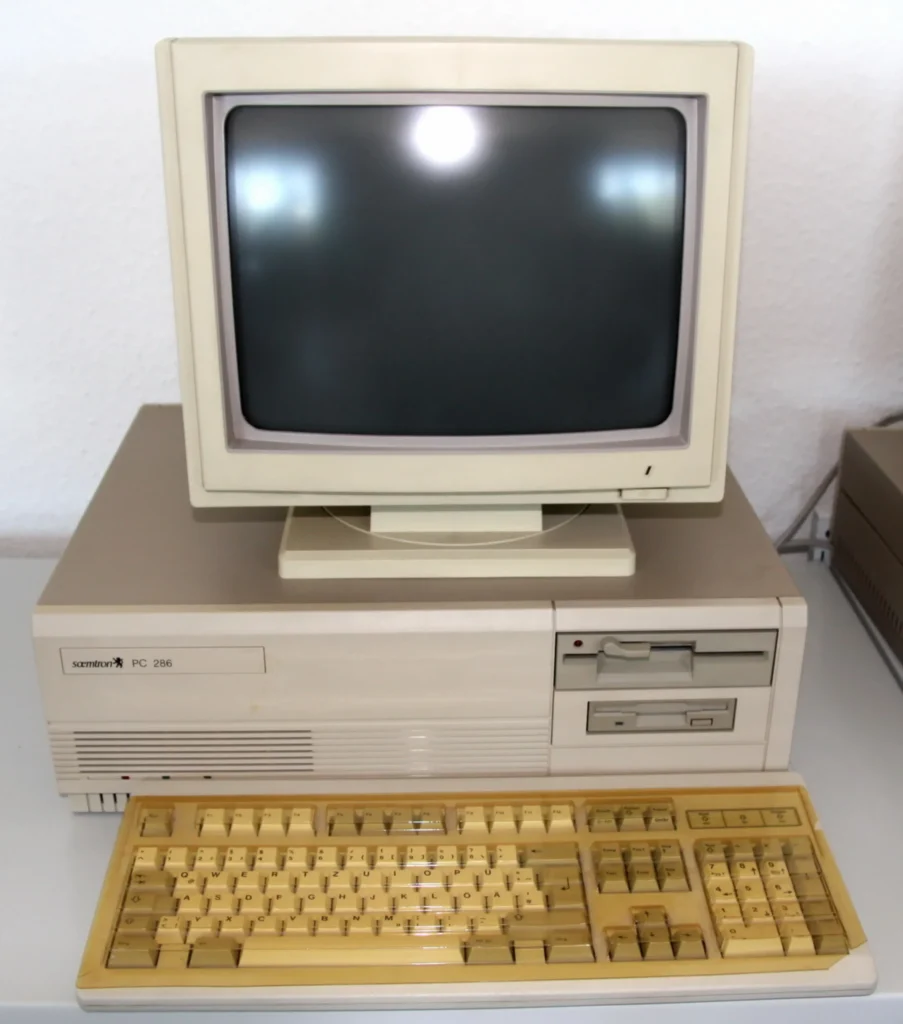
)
(446, 137)
(290, 191)
(643, 187)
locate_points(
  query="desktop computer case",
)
(172, 658)
(867, 530)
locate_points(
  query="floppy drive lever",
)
(614, 648)
(638, 663)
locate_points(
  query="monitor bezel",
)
(192, 70)
(673, 431)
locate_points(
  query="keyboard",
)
(474, 898)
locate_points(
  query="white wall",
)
(85, 311)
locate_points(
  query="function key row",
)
(276, 824)
(515, 820)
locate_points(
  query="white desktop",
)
(466, 309)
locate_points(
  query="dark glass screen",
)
(455, 271)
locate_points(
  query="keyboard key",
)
(272, 823)
(566, 948)
(148, 858)
(342, 824)
(326, 857)
(808, 885)
(152, 881)
(201, 928)
(549, 854)
(561, 819)
(222, 904)
(564, 897)
(489, 923)
(171, 930)
(244, 824)
(644, 917)
(827, 945)
(631, 818)
(297, 858)
(138, 902)
(157, 823)
(671, 878)
(751, 940)
(531, 820)
(351, 951)
(469, 900)
(688, 943)
(238, 858)
(133, 951)
(506, 856)
(476, 857)
(137, 924)
(623, 944)
(796, 938)
(429, 820)
(301, 823)
(488, 950)
(503, 823)
(538, 925)
(602, 819)
(208, 858)
(660, 818)
(214, 824)
(741, 849)
(472, 821)
(400, 821)
(655, 943)
(214, 952)
(612, 880)
(249, 881)
(177, 859)
(529, 952)
(267, 858)
(328, 926)
(642, 879)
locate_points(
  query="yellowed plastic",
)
(530, 826)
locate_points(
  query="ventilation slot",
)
(872, 597)
(183, 755)
(494, 747)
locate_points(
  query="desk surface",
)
(847, 746)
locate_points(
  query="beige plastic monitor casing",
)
(192, 72)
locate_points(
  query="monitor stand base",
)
(317, 544)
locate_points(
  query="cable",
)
(789, 547)
(784, 539)
(465, 544)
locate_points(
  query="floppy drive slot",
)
(644, 661)
(604, 716)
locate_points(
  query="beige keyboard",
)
(222, 902)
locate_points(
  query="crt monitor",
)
(484, 289)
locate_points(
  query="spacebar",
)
(349, 951)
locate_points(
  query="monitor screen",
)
(455, 270)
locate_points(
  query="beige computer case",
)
(173, 658)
